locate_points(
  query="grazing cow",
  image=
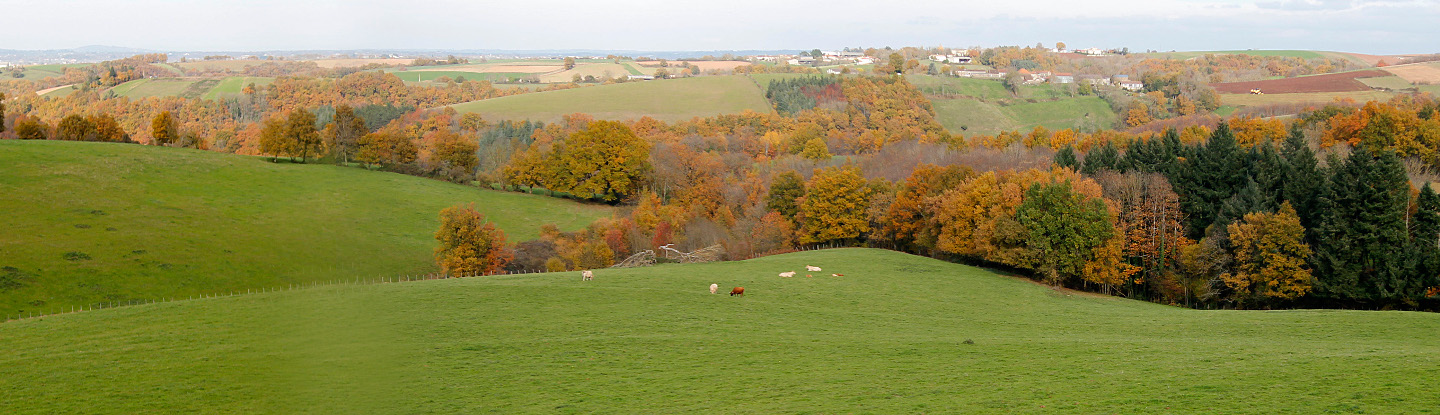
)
(740, 291)
(837, 275)
(587, 275)
(714, 288)
(812, 268)
(787, 274)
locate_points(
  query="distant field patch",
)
(717, 65)
(1246, 100)
(165, 87)
(1335, 82)
(351, 63)
(487, 68)
(1303, 54)
(56, 92)
(666, 100)
(234, 65)
(1418, 73)
(235, 85)
(598, 70)
(1387, 82)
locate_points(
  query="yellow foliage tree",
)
(834, 206)
(1270, 254)
(469, 245)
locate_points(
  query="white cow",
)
(714, 288)
(587, 275)
(787, 274)
(812, 268)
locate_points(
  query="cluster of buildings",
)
(1040, 77)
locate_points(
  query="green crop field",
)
(235, 85)
(1387, 82)
(92, 222)
(666, 100)
(896, 334)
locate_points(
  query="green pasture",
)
(666, 100)
(235, 85)
(87, 223)
(895, 334)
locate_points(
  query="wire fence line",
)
(356, 281)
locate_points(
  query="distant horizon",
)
(1381, 27)
(129, 49)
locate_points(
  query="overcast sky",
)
(1364, 26)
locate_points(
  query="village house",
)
(1094, 79)
(1132, 85)
(641, 78)
(1063, 78)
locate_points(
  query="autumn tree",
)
(107, 129)
(344, 137)
(1063, 229)
(815, 149)
(272, 138)
(569, 62)
(906, 221)
(300, 132)
(454, 155)
(897, 64)
(784, 192)
(469, 245)
(75, 128)
(606, 160)
(1270, 254)
(2, 112)
(834, 206)
(163, 129)
(386, 149)
(29, 128)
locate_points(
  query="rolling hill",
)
(896, 334)
(93, 222)
(666, 100)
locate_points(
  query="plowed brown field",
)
(1335, 82)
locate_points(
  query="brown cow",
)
(740, 291)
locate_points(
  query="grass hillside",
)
(165, 87)
(235, 85)
(92, 222)
(666, 100)
(980, 106)
(896, 334)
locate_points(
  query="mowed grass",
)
(87, 223)
(896, 334)
(666, 100)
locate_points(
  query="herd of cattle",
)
(740, 291)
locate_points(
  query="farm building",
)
(960, 59)
(1132, 85)
(1094, 79)
(1063, 78)
(641, 77)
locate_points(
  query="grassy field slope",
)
(92, 222)
(896, 334)
(235, 85)
(666, 100)
(980, 106)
